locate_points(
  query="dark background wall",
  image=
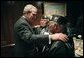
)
(12, 10)
(75, 15)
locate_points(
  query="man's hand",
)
(59, 36)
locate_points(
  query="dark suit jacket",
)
(25, 38)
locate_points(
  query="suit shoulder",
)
(20, 21)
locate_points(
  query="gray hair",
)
(29, 7)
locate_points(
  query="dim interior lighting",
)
(10, 2)
(39, 2)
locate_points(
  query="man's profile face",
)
(54, 28)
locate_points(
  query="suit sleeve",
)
(25, 34)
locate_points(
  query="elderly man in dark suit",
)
(26, 39)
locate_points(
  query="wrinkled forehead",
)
(53, 23)
(44, 20)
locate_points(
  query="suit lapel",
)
(28, 25)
